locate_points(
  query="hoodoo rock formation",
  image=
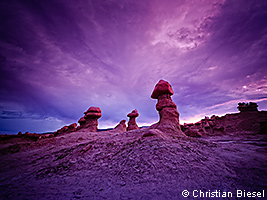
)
(132, 123)
(121, 127)
(168, 113)
(248, 121)
(245, 107)
(89, 120)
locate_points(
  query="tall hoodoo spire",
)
(169, 115)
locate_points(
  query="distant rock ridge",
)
(132, 123)
(168, 113)
(27, 135)
(66, 129)
(248, 121)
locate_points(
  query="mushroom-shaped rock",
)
(93, 110)
(162, 87)
(134, 113)
(169, 116)
(121, 127)
(89, 120)
(132, 123)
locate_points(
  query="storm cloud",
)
(57, 58)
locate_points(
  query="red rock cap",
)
(123, 121)
(162, 87)
(134, 113)
(93, 110)
(91, 115)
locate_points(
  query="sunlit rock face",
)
(132, 123)
(89, 120)
(121, 127)
(169, 115)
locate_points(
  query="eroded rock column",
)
(132, 123)
(121, 127)
(168, 113)
(89, 120)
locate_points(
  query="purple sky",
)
(59, 57)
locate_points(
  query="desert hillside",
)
(108, 165)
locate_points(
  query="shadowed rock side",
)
(89, 120)
(244, 107)
(169, 115)
(132, 123)
(66, 129)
